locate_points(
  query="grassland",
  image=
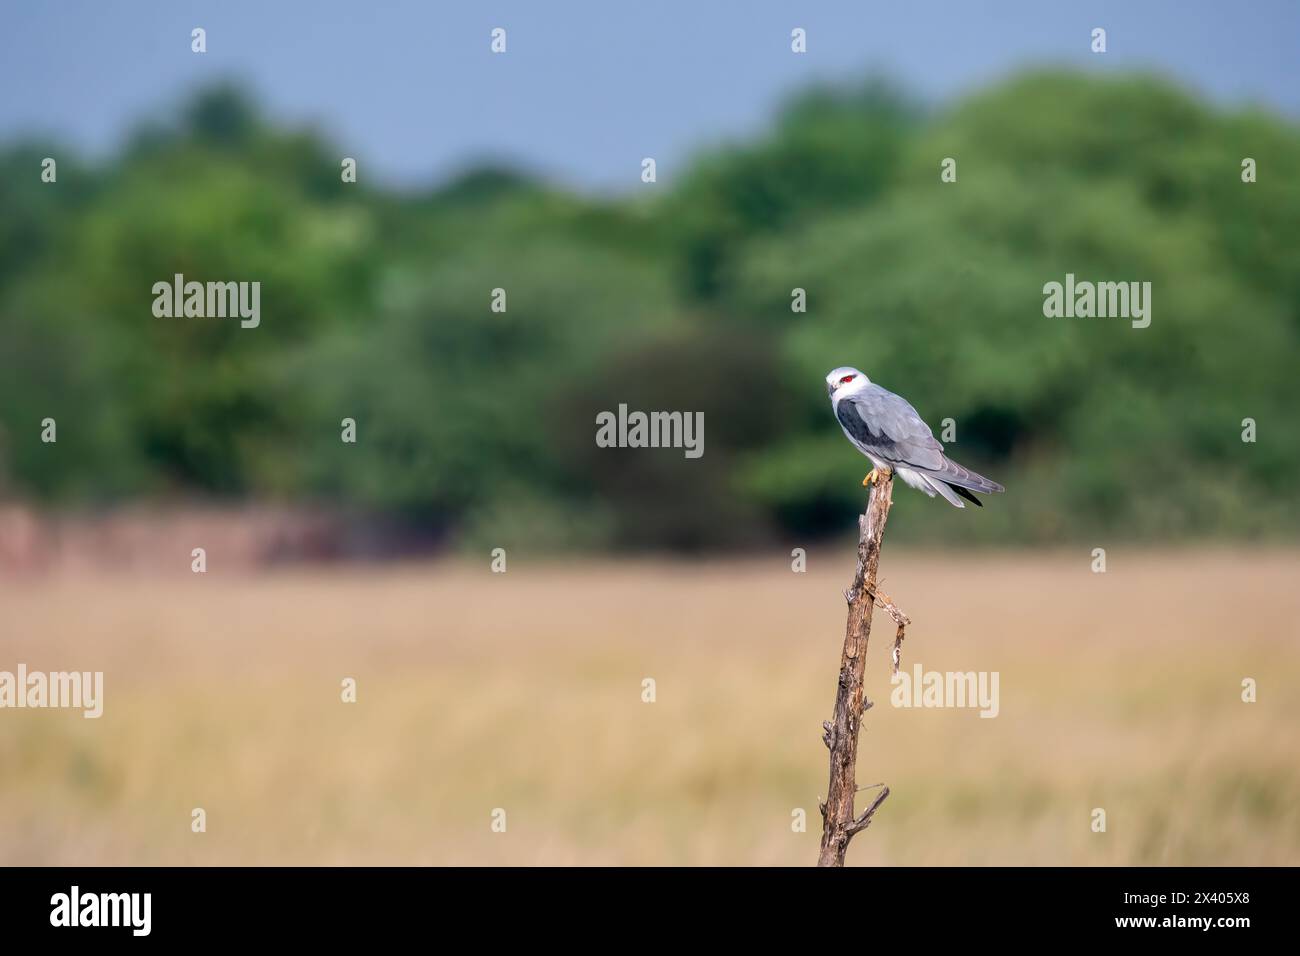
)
(524, 691)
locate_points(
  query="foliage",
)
(376, 307)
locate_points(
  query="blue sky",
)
(587, 88)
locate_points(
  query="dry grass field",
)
(523, 691)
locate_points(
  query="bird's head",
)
(843, 380)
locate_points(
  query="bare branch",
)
(841, 732)
(864, 821)
(885, 603)
(896, 657)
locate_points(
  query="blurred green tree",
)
(377, 307)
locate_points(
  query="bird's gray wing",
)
(888, 427)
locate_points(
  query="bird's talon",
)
(869, 479)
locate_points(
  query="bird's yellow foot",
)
(869, 479)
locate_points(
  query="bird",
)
(887, 429)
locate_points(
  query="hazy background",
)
(476, 429)
(588, 88)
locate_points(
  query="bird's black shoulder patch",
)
(855, 425)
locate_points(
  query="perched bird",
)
(885, 428)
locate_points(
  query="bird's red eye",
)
(846, 379)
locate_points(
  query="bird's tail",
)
(953, 479)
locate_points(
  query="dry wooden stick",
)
(901, 621)
(839, 824)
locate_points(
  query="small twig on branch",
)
(896, 657)
(901, 621)
(839, 824)
(886, 603)
(864, 821)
